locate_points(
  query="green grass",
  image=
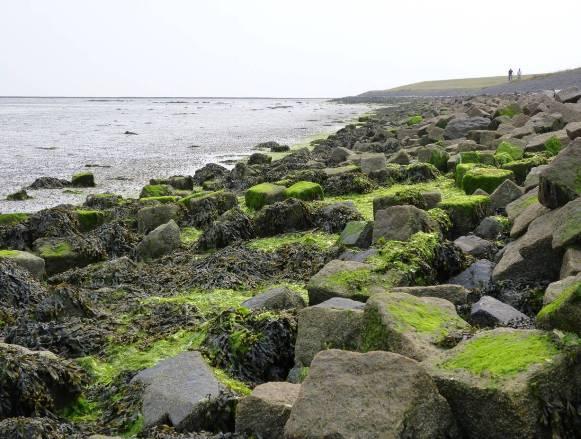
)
(321, 240)
(10, 219)
(501, 355)
(364, 202)
(455, 84)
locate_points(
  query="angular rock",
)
(276, 299)
(475, 246)
(571, 264)
(177, 391)
(335, 323)
(401, 158)
(61, 254)
(357, 234)
(477, 276)
(573, 130)
(148, 218)
(389, 396)
(160, 241)
(83, 179)
(490, 228)
(537, 143)
(266, 410)
(559, 182)
(562, 308)
(504, 194)
(372, 162)
(503, 393)
(203, 209)
(28, 261)
(49, 183)
(489, 311)
(416, 327)
(259, 158)
(285, 216)
(567, 227)
(399, 223)
(333, 218)
(571, 94)
(515, 208)
(232, 226)
(522, 222)
(456, 294)
(458, 128)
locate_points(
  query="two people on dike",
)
(518, 74)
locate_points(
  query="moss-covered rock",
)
(522, 167)
(560, 182)
(416, 327)
(465, 212)
(83, 179)
(60, 254)
(10, 219)
(357, 234)
(263, 194)
(156, 190)
(203, 208)
(511, 383)
(90, 219)
(305, 190)
(28, 261)
(461, 170)
(487, 179)
(435, 156)
(564, 311)
(515, 152)
(164, 199)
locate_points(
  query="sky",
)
(272, 48)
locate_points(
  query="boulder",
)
(202, 209)
(61, 254)
(333, 218)
(148, 218)
(563, 310)
(20, 195)
(49, 183)
(545, 122)
(389, 396)
(567, 226)
(456, 294)
(232, 226)
(36, 383)
(489, 311)
(83, 179)
(533, 177)
(573, 130)
(518, 206)
(458, 128)
(504, 194)
(259, 158)
(346, 279)
(559, 181)
(357, 234)
(499, 383)
(371, 162)
(435, 156)
(571, 264)
(275, 299)
(32, 263)
(290, 215)
(416, 327)
(263, 194)
(177, 392)
(160, 241)
(490, 228)
(538, 143)
(475, 246)
(335, 323)
(569, 95)
(483, 137)
(339, 155)
(304, 190)
(487, 179)
(522, 222)
(211, 171)
(431, 199)
(264, 413)
(465, 212)
(400, 158)
(477, 276)
(399, 223)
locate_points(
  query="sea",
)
(58, 137)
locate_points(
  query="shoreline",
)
(432, 245)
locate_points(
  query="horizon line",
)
(159, 97)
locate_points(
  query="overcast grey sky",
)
(318, 48)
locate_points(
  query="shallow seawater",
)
(60, 136)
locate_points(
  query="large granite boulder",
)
(264, 413)
(509, 383)
(399, 223)
(458, 128)
(335, 323)
(160, 241)
(148, 218)
(416, 327)
(562, 308)
(373, 395)
(476, 276)
(26, 260)
(489, 311)
(202, 209)
(285, 216)
(504, 194)
(475, 246)
(177, 392)
(232, 226)
(559, 181)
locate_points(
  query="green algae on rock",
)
(487, 179)
(305, 190)
(515, 152)
(83, 179)
(262, 194)
(90, 219)
(465, 212)
(564, 312)
(10, 219)
(156, 190)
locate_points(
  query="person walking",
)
(510, 74)
(518, 74)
